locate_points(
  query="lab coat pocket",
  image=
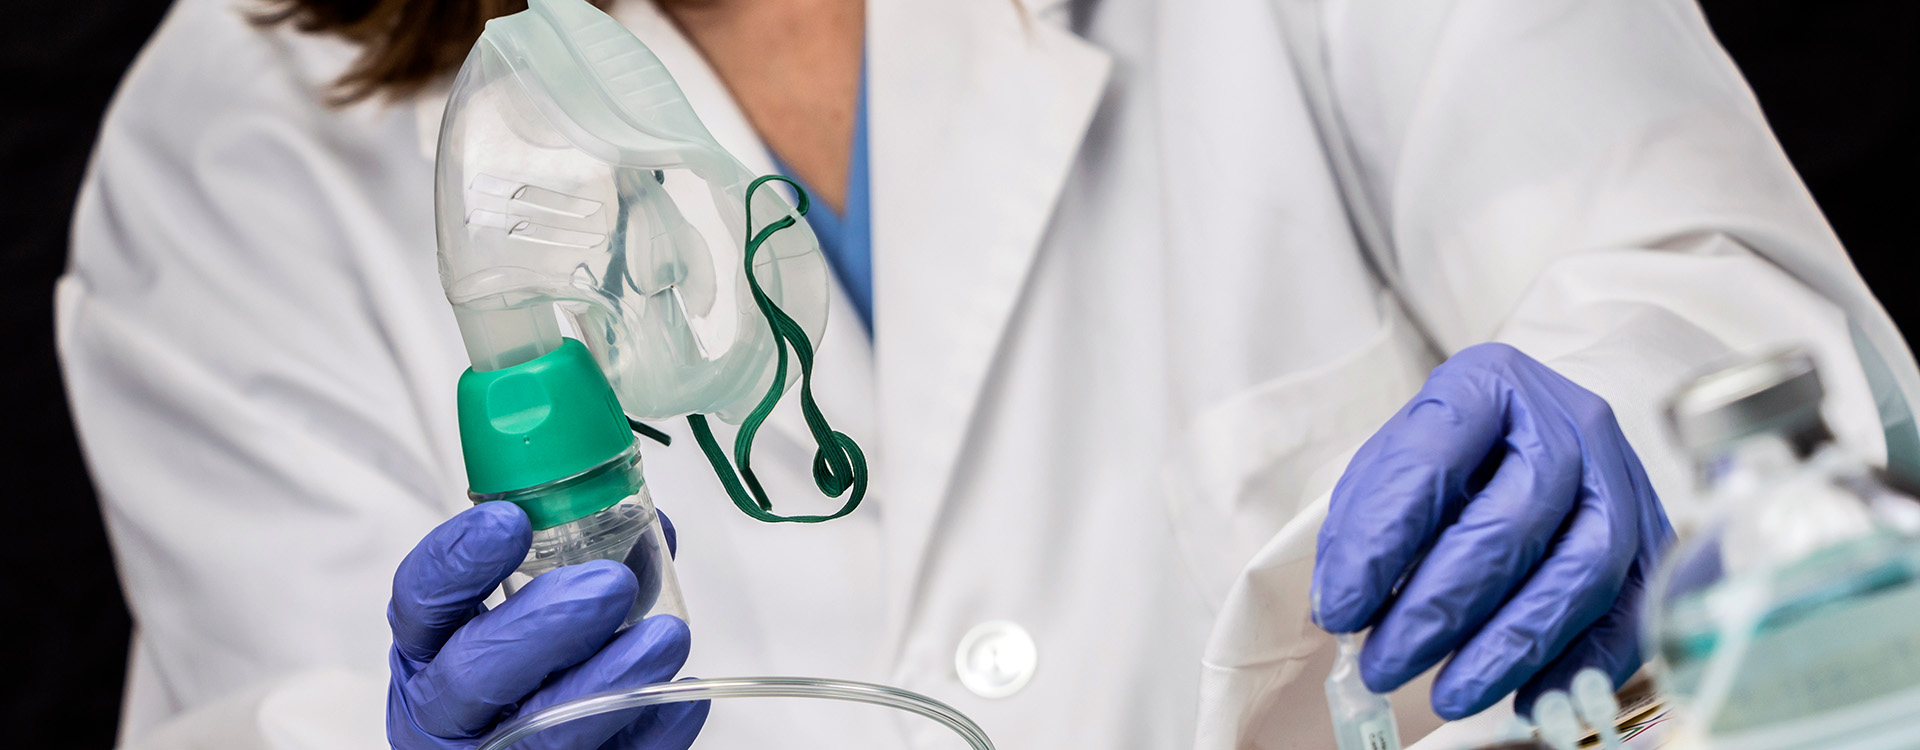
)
(1249, 463)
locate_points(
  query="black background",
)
(1840, 80)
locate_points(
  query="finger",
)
(1611, 644)
(674, 727)
(1577, 583)
(651, 651)
(1401, 488)
(441, 583)
(673, 537)
(559, 620)
(1481, 558)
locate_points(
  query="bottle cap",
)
(539, 422)
(1778, 392)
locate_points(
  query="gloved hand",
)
(1518, 525)
(460, 669)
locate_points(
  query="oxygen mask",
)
(573, 172)
(575, 183)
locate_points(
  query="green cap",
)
(548, 419)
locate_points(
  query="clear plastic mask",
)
(572, 172)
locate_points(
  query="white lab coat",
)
(1146, 271)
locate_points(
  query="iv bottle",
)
(1789, 615)
(541, 428)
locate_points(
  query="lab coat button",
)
(996, 659)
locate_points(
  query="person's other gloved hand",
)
(1517, 523)
(460, 669)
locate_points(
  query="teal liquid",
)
(1843, 629)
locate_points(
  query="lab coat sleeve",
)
(1589, 180)
(1592, 181)
(251, 410)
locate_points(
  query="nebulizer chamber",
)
(576, 189)
(1789, 615)
(546, 434)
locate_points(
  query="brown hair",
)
(404, 44)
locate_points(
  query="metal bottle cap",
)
(1775, 392)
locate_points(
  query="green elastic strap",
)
(838, 464)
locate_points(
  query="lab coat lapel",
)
(977, 111)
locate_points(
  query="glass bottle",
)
(1789, 614)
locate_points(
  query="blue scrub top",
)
(847, 236)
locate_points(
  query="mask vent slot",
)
(535, 197)
(525, 228)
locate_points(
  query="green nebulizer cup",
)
(546, 433)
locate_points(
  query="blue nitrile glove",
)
(1518, 525)
(460, 669)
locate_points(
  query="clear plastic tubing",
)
(686, 691)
